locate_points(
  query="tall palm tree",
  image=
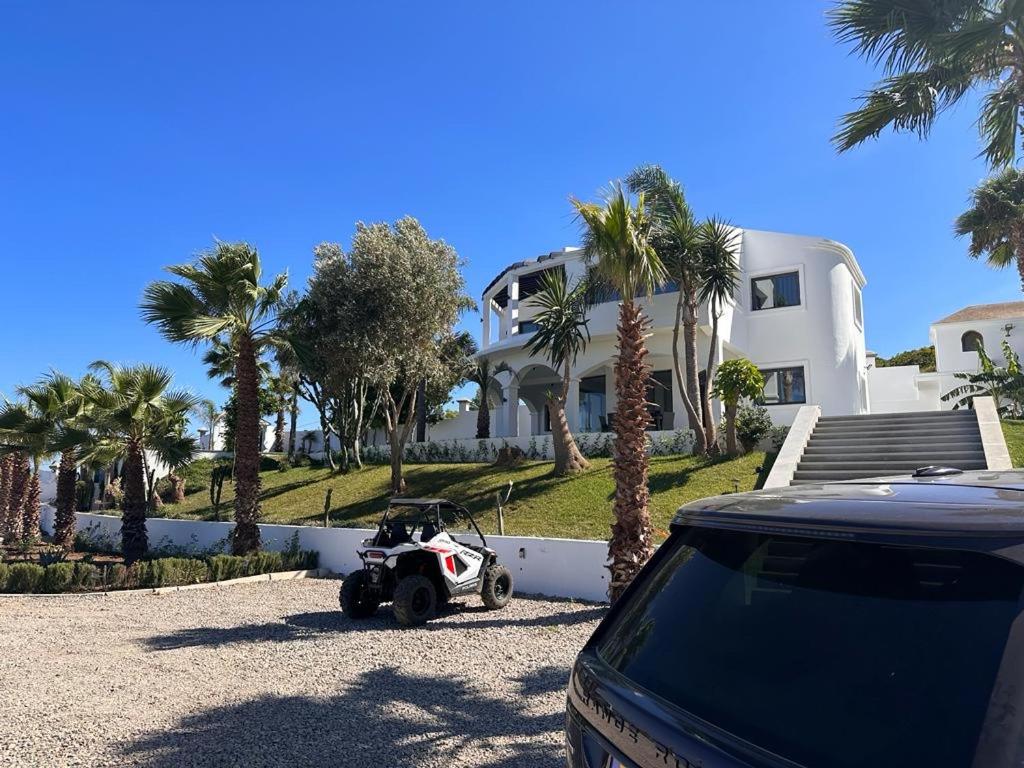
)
(933, 53)
(209, 415)
(616, 244)
(483, 373)
(222, 301)
(281, 388)
(676, 237)
(20, 436)
(132, 411)
(719, 276)
(995, 221)
(562, 333)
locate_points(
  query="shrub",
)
(93, 538)
(269, 463)
(170, 572)
(120, 577)
(752, 425)
(224, 567)
(86, 576)
(25, 577)
(58, 577)
(4, 570)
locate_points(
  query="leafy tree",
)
(131, 411)
(616, 244)
(933, 53)
(221, 301)
(995, 221)
(736, 379)
(922, 356)
(1004, 384)
(562, 334)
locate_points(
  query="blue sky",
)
(133, 133)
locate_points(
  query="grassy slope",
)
(1013, 431)
(541, 505)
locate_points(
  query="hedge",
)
(160, 572)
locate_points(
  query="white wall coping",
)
(997, 455)
(793, 448)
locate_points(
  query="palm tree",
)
(208, 414)
(933, 54)
(132, 411)
(562, 333)
(22, 439)
(616, 244)
(222, 300)
(995, 221)
(483, 375)
(676, 237)
(280, 386)
(719, 277)
(736, 379)
(58, 408)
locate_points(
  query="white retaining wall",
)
(555, 567)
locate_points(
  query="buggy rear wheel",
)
(497, 588)
(356, 602)
(415, 600)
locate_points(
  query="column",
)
(572, 405)
(485, 339)
(513, 304)
(511, 411)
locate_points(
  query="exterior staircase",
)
(875, 445)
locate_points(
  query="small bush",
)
(86, 577)
(4, 570)
(25, 577)
(224, 567)
(300, 460)
(58, 577)
(752, 425)
(170, 572)
(121, 577)
(269, 463)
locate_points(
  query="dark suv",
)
(862, 624)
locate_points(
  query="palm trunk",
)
(30, 513)
(245, 537)
(293, 415)
(699, 441)
(64, 524)
(134, 539)
(631, 543)
(568, 459)
(278, 445)
(14, 524)
(710, 428)
(690, 351)
(483, 417)
(6, 473)
(730, 429)
(177, 488)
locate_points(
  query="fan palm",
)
(995, 221)
(562, 333)
(23, 439)
(933, 53)
(616, 244)
(222, 301)
(131, 411)
(719, 277)
(208, 414)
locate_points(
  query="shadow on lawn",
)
(303, 626)
(386, 717)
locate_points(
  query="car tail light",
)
(375, 554)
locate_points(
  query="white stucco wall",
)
(556, 567)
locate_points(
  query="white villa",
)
(956, 339)
(797, 314)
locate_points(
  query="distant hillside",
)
(923, 356)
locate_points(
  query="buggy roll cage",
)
(430, 511)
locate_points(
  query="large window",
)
(775, 291)
(826, 652)
(527, 326)
(971, 342)
(783, 386)
(593, 404)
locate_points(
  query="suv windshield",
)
(828, 653)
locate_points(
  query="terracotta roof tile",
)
(1006, 309)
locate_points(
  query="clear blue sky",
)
(133, 133)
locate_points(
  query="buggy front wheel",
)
(356, 602)
(497, 587)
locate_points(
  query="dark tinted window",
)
(832, 654)
(774, 291)
(784, 385)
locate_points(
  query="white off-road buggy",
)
(414, 563)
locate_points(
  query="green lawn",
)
(541, 505)
(1013, 431)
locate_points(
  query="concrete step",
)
(882, 467)
(919, 459)
(899, 417)
(839, 448)
(912, 437)
(956, 427)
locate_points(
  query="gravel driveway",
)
(272, 674)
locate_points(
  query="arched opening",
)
(535, 382)
(971, 341)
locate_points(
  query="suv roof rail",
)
(934, 470)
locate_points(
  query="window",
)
(971, 342)
(794, 644)
(528, 327)
(593, 410)
(775, 291)
(783, 386)
(858, 307)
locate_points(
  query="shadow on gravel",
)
(305, 625)
(387, 717)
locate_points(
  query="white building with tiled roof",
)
(956, 338)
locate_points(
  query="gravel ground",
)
(272, 674)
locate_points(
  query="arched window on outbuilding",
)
(971, 341)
